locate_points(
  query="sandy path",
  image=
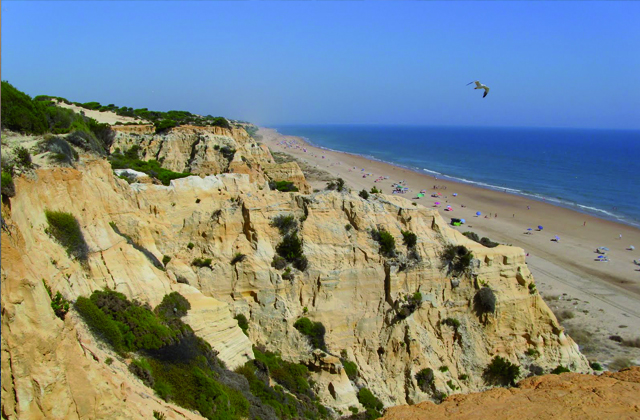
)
(609, 292)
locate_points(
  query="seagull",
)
(480, 86)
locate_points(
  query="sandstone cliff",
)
(207, 151)
(565, 396)
(355, 292)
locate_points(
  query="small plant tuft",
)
(201, 262)
(166, 259)
(66, 230)
(409, 238)
(242, 323)
(190, 245)
(239, 257)
(486, 300)
(313, 330)
(364, 194)
(386, 241)
(560, 369)
(425, 379)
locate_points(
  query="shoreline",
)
(570, 205)
(603, 296)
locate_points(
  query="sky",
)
(548, 64)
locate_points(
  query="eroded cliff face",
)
(48, 364)
(209, 151)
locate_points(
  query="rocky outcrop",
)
(357, 294)
(288, 171)
(565, 396)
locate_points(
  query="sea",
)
(593, 171)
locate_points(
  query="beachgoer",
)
(496, 215)
(620, 237)
(528, 208)
(584, 224)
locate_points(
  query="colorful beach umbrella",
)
(478, 213)
(437, 203)
(539, 227)
(420, 195)
(462, 220)
(529, 229)
(455, 194)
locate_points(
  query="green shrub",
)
(238, 257)
(486, 300)
(350, 368)
(532, 288)
(463, 377)
(284, 186)
(451, 385)
(340, 184)
(313, 330)
(596, 366)
(59, 304)
(364, 194)
(560, 369)
(443, 369)
(369, 401)
(165, 260)
(386, 241)
(374, 190)
(425, 379)
(488, 242)
(410, 239)
(129, 160)
(103, 326)
(23, 157)
(501, 372)
(348, 226)
(201, 262)
(284, 223)
(164, 125)
(20, 112)
(456, 259)
(8, 187)
(158, 415)
(242, 323)
(108, 361)
(173, 305)
(473, 236)
(190, 245)
(290, 248)
(66, 230)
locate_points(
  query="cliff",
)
(56, 369)
(565, 396)
(208, 150)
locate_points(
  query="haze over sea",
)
(592, 171)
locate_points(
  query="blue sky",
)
(553, 64)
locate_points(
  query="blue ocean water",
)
(592, 171)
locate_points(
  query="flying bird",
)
(480, 86)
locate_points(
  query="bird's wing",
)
(486, 90)
(468, 83)
(478, 84)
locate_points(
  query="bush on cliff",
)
(485, 300)
(8, 187)
(501, 372)
(409, 238)
(284, 223)
(372, 404)
(176, 363)
(425, 379)
(456, 259)
(386, 241)
(313, 330)
(283, 186)
(66, 230)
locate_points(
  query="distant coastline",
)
(629, 219)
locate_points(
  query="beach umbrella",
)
(631, 247)
(437, 203)
(557, 238)
(455, 194)
(604, 248)
(529, 229)
(478, 213)
(539, 227)
(600, 256)
(420, 195)
(462, 220)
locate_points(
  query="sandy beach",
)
(598, 299)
